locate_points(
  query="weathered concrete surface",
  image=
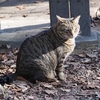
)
(16, 28)
(81, 7)
(94, 5)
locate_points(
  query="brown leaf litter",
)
(82, 71)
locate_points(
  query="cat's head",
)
(68, 28)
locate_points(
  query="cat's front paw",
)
(61, 76)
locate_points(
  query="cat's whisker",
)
(80, 31)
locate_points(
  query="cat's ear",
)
(60, 19)
(76, 19)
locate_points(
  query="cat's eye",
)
(66, 30)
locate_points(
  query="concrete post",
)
(58, 7)
(67, 8)
(81, 7)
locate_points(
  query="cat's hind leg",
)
(42, 76)
(30, 78)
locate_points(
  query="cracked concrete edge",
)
(16, 38)
(92, 37)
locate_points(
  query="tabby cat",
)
(41, 57)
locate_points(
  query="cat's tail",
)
(7, 79)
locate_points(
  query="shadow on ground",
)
(15, 36)
(4, 3)
(25, 28)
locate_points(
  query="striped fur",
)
(41, 56)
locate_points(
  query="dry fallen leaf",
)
(5, 95)
(98, 94)
(48, 98)
(15, 98)
(82, 55)
(9, 62)
(47, 85)
(20, 98)
(25, 15)
(32, 97)
(91, 55)
(65, 90)
(21, 7)
(4, 57)
(65, 97)
(86, 61)
(56, 83)
(2, 16)
(92, 86)
(13, 66)
(50, 91)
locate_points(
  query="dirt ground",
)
(82, 71)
